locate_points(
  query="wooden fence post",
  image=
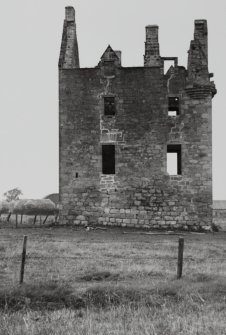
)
(23, 259)
(180, 257)
(45, 219)
(35, 219)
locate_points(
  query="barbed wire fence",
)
(21, 253)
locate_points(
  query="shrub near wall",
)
(4, 207)
(29, 207)
(34, 207)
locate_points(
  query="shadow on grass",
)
(202, 277)
(49, 295)
(100, 276)
(55, 296)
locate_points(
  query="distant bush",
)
(4, 207)
(34, 207)
(13, 194)
(54, 197)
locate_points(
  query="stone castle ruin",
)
(119, 126)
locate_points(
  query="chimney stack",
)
(152, 57)
(198, 54)
(69, 14)
(69, 55)
(201, 35)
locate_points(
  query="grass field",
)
(107, 282)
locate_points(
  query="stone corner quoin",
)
(118, 126)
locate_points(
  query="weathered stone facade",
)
(140, 192)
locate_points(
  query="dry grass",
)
(27, 220)
(106, 282)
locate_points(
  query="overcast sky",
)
(30, 36)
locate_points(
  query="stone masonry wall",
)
(141, 193)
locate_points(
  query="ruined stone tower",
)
(119, 126)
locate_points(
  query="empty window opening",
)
(108, 159)
(172, 113)
(167, 65)
(174, 159)
(76, 175)
(173, 106)
(109, 106)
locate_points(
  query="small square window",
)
(109, 106)
(172, 113)
(173, 106)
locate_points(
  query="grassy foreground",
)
(106, 282)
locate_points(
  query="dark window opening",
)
(173, 106)
(109, 106)
(76, 175)
(174, 159)
(108, 159)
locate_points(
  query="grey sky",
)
(30, 34)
